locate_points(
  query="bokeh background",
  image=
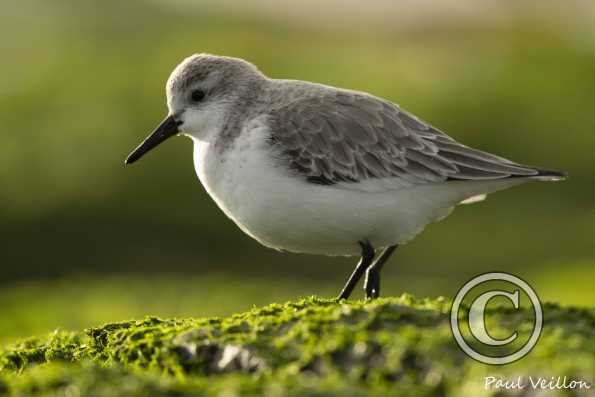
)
(85, 240)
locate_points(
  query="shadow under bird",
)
(310, 168)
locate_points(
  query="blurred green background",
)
(85, 240)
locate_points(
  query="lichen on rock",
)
(398, 346)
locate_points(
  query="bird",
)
(310, 168)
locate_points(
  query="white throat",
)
(204, 124)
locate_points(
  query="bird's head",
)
(202, 92)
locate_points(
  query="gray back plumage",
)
(330, 135)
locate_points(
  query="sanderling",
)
(305, 167)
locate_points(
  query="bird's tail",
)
(549, 175)
(486, 187)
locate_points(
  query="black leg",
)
(372, 282)
(360, 269)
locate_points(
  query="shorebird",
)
(309, 168)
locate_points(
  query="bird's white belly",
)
(286, 212)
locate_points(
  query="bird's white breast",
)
(284, 211)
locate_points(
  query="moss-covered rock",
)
(388, 347)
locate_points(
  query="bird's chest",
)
(236, 178)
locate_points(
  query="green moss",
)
(392, 346)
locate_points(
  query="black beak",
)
(167, 129)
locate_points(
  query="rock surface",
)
(398, 346)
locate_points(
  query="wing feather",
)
(331, 136)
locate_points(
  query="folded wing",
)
(343, 137)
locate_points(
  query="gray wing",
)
(344, 136)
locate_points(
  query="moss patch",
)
(389, 347)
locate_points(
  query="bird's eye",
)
(197, 95)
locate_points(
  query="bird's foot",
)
(372, 283)
(341, 297)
